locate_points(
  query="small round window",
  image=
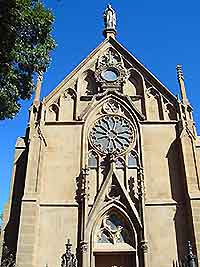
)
(109, 75)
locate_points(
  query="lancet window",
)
(120, 164)
(132, 160)
(92, 160)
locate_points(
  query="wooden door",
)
(114, 260)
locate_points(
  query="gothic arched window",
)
(114, 228)
(132, 160)
(92, 160)
(120, 164)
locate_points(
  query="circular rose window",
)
(112, 134)
(110, 75)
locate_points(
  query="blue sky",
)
(158, 33)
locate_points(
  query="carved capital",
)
(83, 246)
(144, 246)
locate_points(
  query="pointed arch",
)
(120, 163)
(171, 112)
(94, 111)
(93, 159)
(133, 159)
(154, 104)
(114, 226)
(88, 83)
(68, 105)
(52, 113)
(138, 80)
(120, 243)
(101, 205)
(128, 106)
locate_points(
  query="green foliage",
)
(25, 46)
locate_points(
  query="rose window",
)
(112, 134)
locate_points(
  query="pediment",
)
(110, 70)
(89, 64)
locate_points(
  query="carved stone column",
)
(82, 198)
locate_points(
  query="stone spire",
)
(181, 84)
(36, 101)
(109, 22)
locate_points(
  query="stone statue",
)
(110, 18)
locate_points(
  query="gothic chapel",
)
(107, 174)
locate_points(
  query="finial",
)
(109, 22)
(36, 101)
(181, 83)
(68, 246)
(68, 258)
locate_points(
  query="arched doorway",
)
(115, 241)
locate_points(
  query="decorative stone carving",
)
(68, 258)
(112, 107)
(111, 73)
(141, 185)
(83, 247)
(69, 93)
(53, 111)
(82, 185)
(113, 193)
(152, 92)
(110, 58)
(112, 135)
(134, 188)
(114, 230)
(144, 246)
(120, 163)
(170, 111)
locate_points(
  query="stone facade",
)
(110, 160)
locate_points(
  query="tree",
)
(25, 46)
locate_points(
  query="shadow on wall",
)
(12, 228)
(182, 218)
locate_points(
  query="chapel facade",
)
(107, 174)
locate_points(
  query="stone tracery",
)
(114, 229)
(112, 134)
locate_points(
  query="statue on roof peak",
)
(110, 18)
